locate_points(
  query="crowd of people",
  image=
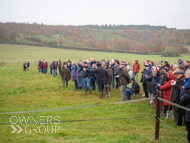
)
(173, 80)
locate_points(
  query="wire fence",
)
(67, 108)
(158, 116)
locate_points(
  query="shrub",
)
(170, 51)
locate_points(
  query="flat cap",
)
(179, 72)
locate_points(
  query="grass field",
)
(26, 91)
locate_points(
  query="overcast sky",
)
(170, 13)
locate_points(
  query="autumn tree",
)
(60, 41)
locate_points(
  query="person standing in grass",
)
(42, 63)
(93, 78)
(185, 100)
(50, 67)
(86, 78)
(54, 68)
(59, 66)
(28, 65)
(65, 75)
(116, 73)
(108, 80)
(124, 80)
(75, 77)
(112, 67)
(24, 66)
(79, 74)
(44, 67)
(101, 74)
(39, 66)
(136, 68)
(72, 68)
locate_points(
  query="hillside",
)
(122, 38)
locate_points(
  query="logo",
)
(39, 124)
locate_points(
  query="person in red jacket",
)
(136, 68)
(45, 67)
(166, 88)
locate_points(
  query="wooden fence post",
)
(157, 127)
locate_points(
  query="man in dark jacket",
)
(136, 68)
(179, 76)
(54, 68)
(135, 89)
(124, 80)
(65, 75)
(147, 80)
(86, 78)
(101, 74)
(185, 100)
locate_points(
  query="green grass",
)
(26, 91)
(19, 52)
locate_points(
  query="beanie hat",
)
(146, 64)
(133, 79)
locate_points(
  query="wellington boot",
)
(109, 94)
(86, 90)
(100, 95)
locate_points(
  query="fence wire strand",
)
(172, 129)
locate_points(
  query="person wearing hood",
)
(73, 68)
(185, 101)
(180, 61)
(166, 88)
(136, 68)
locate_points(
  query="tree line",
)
(132, 38)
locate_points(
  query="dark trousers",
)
(145, 91)
(76, 84)
(59, 71)
(100, 86)
(188, 130)
(181, 114)
(93, 85)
